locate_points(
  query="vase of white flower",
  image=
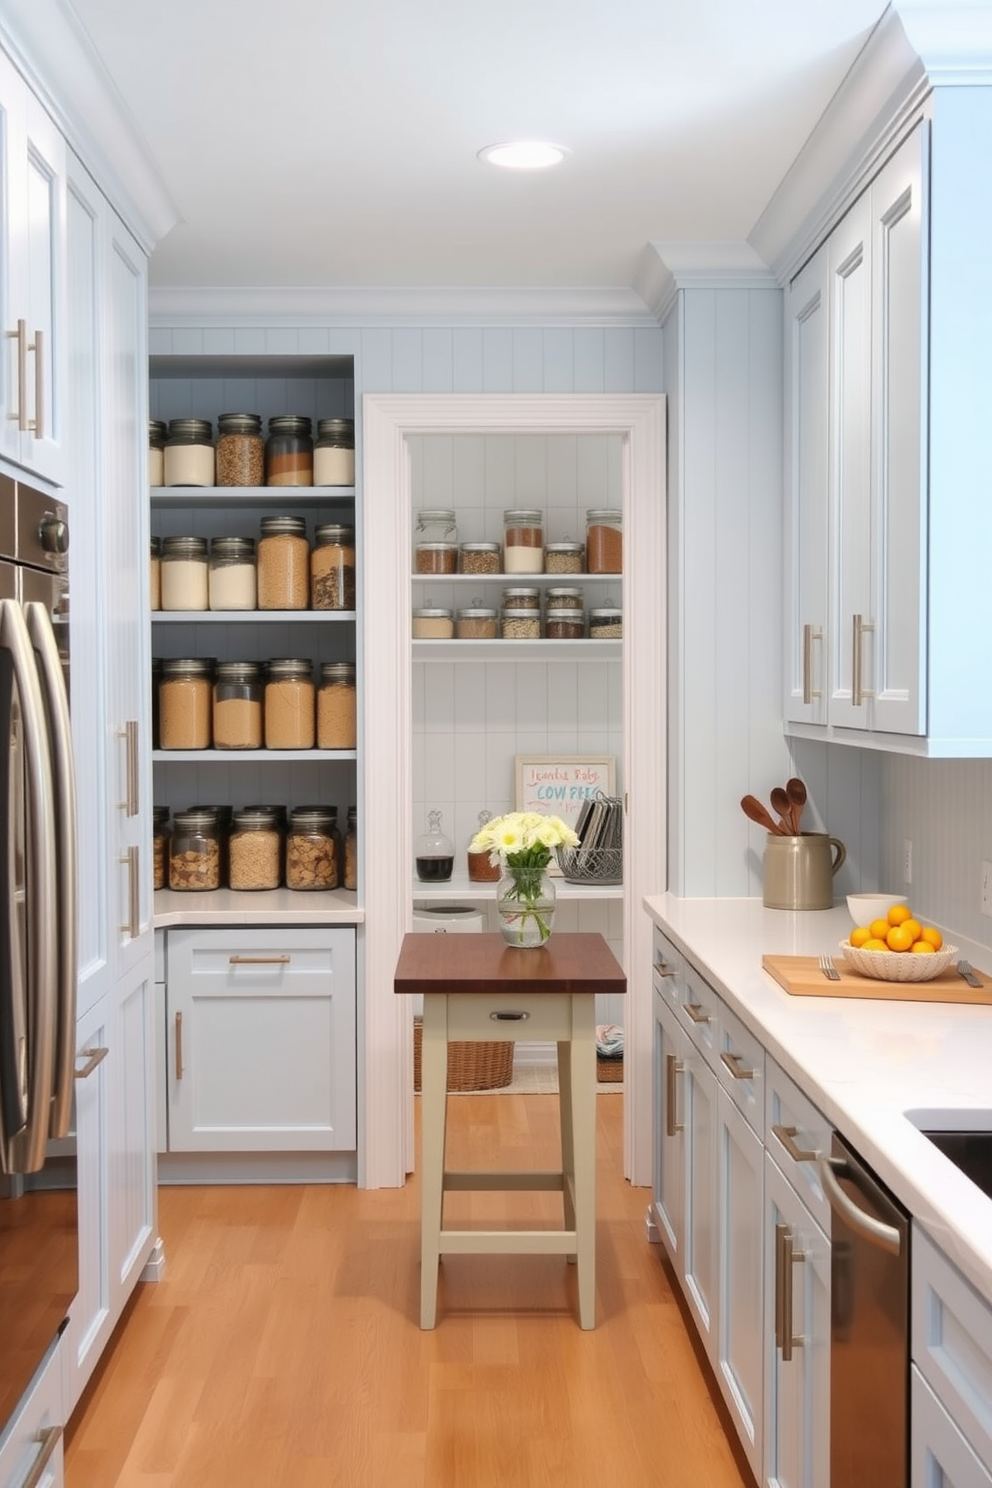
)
(521, 844)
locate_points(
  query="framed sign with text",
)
(559, 784)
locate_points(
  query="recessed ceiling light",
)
(524, 154)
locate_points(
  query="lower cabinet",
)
(31, 1453)
(940, 1457)
(260, 1040)
(741, 1340)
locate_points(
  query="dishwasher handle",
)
(885, 1236)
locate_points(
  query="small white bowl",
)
(867, 907)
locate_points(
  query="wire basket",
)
(600, 865)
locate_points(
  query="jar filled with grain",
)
(520, 625)
(334, 452)
(188, 458)
(433, 624)
(523, 541)
(564, 557)
(564, 597)
(605, 623)
(604, 540)
(239, 694)
(480, 558)
(254, 852)
(312, 841)
(194, 851)
(565, 625)
(157, 435)
(351, 849)
(337, 711)
(522, 599)
(332, 568)
(156, 683)
(155, 575)
(231, 580)
(476, 623)
(290, 711)
(289, 451)
(184, 705)
(161, 831)
(435, 548)
(184, 573)
(240, 454)
(283, 564)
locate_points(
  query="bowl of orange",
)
(897, 947)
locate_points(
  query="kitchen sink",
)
(965, 1137)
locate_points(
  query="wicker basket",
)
(609, 1071)
(471, 1066)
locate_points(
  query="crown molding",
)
(666, 268)
(47, 43)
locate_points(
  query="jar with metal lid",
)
(523, 541)
(161, 823)
(312, 840)
(520, 625)
(194, 851)
(605, 623)
(564, 557)
(155, 575)
(238, 705)
(565, 625)
(240, 454)
(156, 683)
(254, 852)
(289, 451)
(185, 574)
(563, 598)
(334, 452)
(337, 710)
(435, 542)
(436, 524)
(480, 558)
(604, 540)
(476, 623)
(351, 849)
(189, 453)
(283, 564)
(185, 703)
(290, 712)
(433, 624)
(157, 434)
(332, 568)
(231, 581)
(522, 599)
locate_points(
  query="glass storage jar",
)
(435, 542)
(480, 558)
(223, 816)
(231, 582)
(605, 623)
(564, 598)
(523, 541)
(254, 852)
(189, 453)
(240, 453)
(156, 683)
(332, 568)
(351, 849)
(289, 451)
(312, 848)
(239, 693)
(476, 623)
(480, 870)
(520, 625)
(184, 706)
(433, 624)
(337, 711)
(334, 452)
(283, 564)
(290, 713)
(604, 540)
(434, 852)
(564, 557)
(522, 599)
(157, 434)
(160, 845)
(194, 851)
(185, 575)
(155, 575)
(565, 625)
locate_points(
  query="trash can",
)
(471, 1066)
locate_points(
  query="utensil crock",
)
(799, 871)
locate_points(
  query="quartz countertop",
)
(267, 907)
(864, 1063)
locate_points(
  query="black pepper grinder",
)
(435, 853)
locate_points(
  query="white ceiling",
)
(333, 142)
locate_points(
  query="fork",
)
(829, 969)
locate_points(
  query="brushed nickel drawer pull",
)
(697, 1012)
(663, 969)
(48, 1440)
(673, 1068)
(133, 926)
(259, 960)
(787, 1135)
(93, 1057)
(509, 1017)
(735, 1064)
(179, 1046)
(130, 734)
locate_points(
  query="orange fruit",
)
(932, 937)
(914, 927)
(874, 944)
(859, 936)
(898, 938)
(923, 948)
(879, 929)
(898, 913)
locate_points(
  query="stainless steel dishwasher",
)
(869, 1326)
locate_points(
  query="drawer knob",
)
(509, 1017)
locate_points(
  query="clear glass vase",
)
(525, 905)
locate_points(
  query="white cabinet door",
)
(91, 1319)
(32, 1450)
(261, 1040)
(702, 1239)
(670, 1044)
(939, 1455)
(797, 1323)
(133, 1172)
(807, 353)
(740, 1325)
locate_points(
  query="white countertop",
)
(863, 1063)
(268, 907)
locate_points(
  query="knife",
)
(964, 970)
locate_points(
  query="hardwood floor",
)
(283, 1347)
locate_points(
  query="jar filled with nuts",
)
(606, 623)
(312, 848)
(564, 557)
(254, 851)
(289, 451)
(332, 568)
(290, 704)
(240, 452)
(161, 819)
(194, 852)
(563, 598)
(283, 564)
(521, 615)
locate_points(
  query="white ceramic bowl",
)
(899, 966)
(867, 907)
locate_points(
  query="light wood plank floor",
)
(282, 1349)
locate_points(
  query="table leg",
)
(582, 1099)
(433, 1116)
(565, 1118)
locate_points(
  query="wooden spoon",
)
(797, 795)
(755, 812)
(782, 804)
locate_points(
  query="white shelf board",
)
(253, 756)
(460, 887)
(263, 617)
(521, 581)
(282, 497)
(536, 650)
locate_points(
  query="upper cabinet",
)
(32, 280)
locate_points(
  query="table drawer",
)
(552, 1016)
(795, 1135)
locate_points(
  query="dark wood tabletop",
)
(580, 962)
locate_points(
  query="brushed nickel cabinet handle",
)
(859, 692)
(93, 1057)
(697, 1012)
(21, 337)
(673, 1067)
(736, 1066)
(133, 926)
(811, 633)
(49, 1440)
(663, 969)
(259, 960)
(790, 1258)
(38, 422)
(787, 1135)
(781, 1230)
(179, 1046)
(130, 734)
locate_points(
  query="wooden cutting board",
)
(801, 975)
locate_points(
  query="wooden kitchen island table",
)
(476, 988)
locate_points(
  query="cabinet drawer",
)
(297, 962)
(36, 1429)
(699, 1009)
(666, 968)
(938, 1452)
(741, 1067)
(952, 1341)
(796, 1134)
